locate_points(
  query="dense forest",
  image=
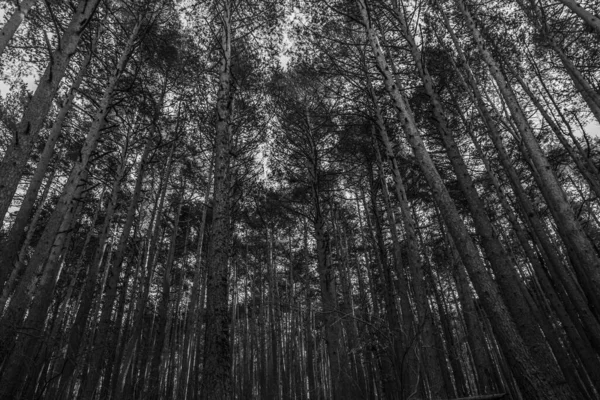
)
(299, 199)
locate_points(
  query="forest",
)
(300, 199)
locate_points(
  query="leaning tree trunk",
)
(533, 382)
(558, 271)
(76, 333)
(154, 387)
(590, 19)
(430, 361)
(17, 154)
(20, 301)
(9, 249)
(147, 260)
(504, 269)
(191, 330)
(587, 262)
(10, 27)
(13, 279)
(18, 365)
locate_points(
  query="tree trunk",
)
(191, 330)
(431, 364)
(587, 265)
(475, 336)
(533, 382)
(77, 330)
(503, 267)
(11, 26)
(17, 155)
(9, 249)
(557, 269)
(583, 168)
(217, 380)
(19, 364)
(20, 267)
(390, 362)
(20, 301)
(154, 388)
(60, 364)
(590, 19)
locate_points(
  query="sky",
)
(593, 129)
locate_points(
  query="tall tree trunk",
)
(20, 266)
(534, 383)
(274, 371)
(20, 301)
(503, 267)
(147, 263)
(191, 330)
(17, 155)
(557, 269)
(217, 380)
(154, 388)
(484, 367)
(404, 351)
(59, 364)
(389, 360)
(9, 248)
(99, 345)
(77, 330)
(327, 280)
(587, 265)
(431, 363)
(15, 368)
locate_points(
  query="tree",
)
(295, 200)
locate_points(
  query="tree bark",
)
(20, 266)
(590, 19)
(15, 20)
(154, 388)
(587, 265)
(431, 363)
(503, 267)
(191, 330)
(217, 380)
(20, 301)
(558, 271)
(532, 381)
(77, 330)
(9, 248)
(147, 264)
(19, 364)
(17, 155)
